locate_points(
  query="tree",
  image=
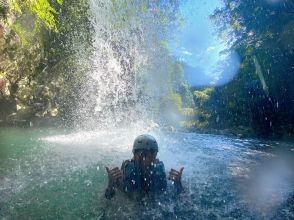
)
(260, 33)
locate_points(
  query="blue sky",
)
(197, 45)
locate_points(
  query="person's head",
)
(145, 149)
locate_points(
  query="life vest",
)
(134, 180)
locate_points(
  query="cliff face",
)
(21, 53)
(34, 57)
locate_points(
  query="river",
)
(53, 173)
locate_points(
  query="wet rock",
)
(7, 107)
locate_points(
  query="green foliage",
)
(22, 54)
(203, 110)
(260, 95)
(178, 102)
(27, 52)
(203, 96)
(176, 99)
(42, 9)
(21, 32)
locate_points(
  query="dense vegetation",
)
(46, 49)
(259, 100)
(261, 95)
(24, 60)
(41, 74)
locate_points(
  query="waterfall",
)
(127, 68)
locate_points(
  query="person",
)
(144, 173)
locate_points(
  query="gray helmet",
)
(145, 142)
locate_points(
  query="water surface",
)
(54, 173)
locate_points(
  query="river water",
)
(60, 174)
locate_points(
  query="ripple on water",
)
(224, 177)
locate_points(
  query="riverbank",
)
(240, 132)
(33, 122)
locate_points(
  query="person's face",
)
(145, 157)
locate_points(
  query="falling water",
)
(127, 67)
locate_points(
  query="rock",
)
(7, 107)
(45, 121)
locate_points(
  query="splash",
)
(127, 64)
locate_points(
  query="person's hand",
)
(114, 176)
(175, 175)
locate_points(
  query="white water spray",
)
(127, 72)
